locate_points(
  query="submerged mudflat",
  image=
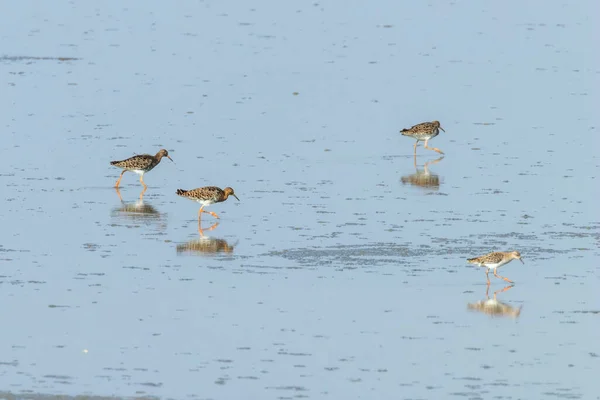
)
(341, 271)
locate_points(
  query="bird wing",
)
(419, 127)
(423, 126)
(140, 161)
(494, 257)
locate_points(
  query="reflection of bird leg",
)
(118, 193)
(431, 163)
(119, 180)
(142, 181)
(212, 227)
(415, 158)
(142, 194)
(200, 221)
(501, 277)
(504, 289)
(487, 291)
(436, 161)
(432, 148)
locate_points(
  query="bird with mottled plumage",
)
(424, 132)
(206, 196)
(140, 164)
(495, 260)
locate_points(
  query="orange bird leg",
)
(487, 275)
(142, 181)
(417, 142)
(118, 193)
(432, 148)
(211, 213)
(501, 277)
(142, 194)
(119, 180)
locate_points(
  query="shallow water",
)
(341, 272)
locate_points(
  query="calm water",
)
(341, 273)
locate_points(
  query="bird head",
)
(229, 192)
(437, 125)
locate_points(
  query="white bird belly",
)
(495, 265)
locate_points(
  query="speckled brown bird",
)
(495, 260)
(424, 132)
(140, 164)
(206, 196)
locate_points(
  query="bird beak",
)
(442, 129)
(520, 259)
(235, 196)
(170, 158)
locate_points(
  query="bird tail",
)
(405, 131)
(114, 162)
(181, 192)
(472, 260)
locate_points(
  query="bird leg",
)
(201, 210)
(487, 275)
(142, 194)
(119, 180)
(432, 148)
(417, 142)
(211, 213)
(501, 277)
(118, 193)
(142, 181)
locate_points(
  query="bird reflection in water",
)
(423, 178)
(495, 308)
(141, 198)
(136, 210)
(206, 245)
